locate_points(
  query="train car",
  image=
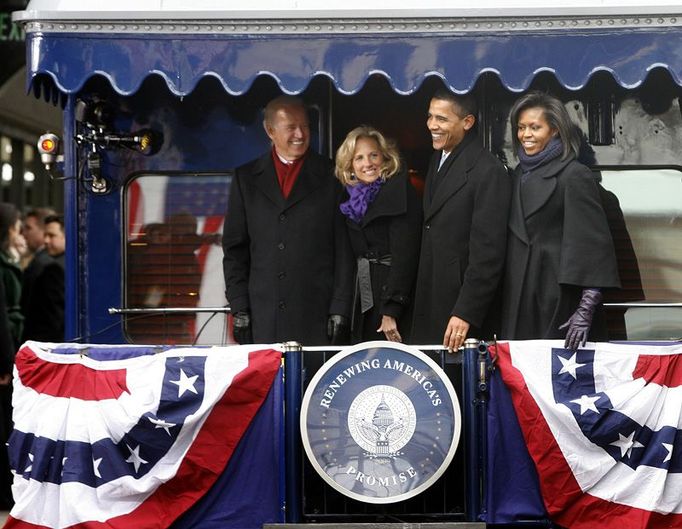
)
(162, 100)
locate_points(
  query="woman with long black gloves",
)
(560, 255)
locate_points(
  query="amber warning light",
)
(48, 146)
(48, 143)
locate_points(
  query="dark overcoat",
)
(463, 243)
(40, 259)
(391, 228)
(559, 243)
(10, 275)
(45, 307)
(287, 261)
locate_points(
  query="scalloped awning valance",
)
(65, 61)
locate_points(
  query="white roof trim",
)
(76, 10)
(330, 26)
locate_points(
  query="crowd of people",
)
(522, 254)
(31, 300)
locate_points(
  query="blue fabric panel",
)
(512, 486)
(405, 60)
(247, 494)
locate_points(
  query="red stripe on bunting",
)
(69, 380)
(665, 370)
(566, 503)
(13, 523)
(207, 457)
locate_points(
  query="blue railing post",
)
(482, 394)
(293, 391)
(474, 410)
(74, 310)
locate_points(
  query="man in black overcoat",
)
(287, 260)
(466, 203)
(45, 306)
(33, 230)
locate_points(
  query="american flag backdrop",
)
(603, 427)
(172, 206)
(128, 436)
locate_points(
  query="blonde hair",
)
(344, 155)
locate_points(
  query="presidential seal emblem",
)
(380, 422)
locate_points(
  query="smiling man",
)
(466, 202)
(287, 259)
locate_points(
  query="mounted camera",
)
(95, 130)
(95, 121)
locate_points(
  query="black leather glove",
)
(241, 327)
(579, 324)
(338, 329)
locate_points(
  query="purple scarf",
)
(553, 149)
(361, 196)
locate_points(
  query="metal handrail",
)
(644, 304)
(164, 310)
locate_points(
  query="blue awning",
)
(126, 60)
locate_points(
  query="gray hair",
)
(280, 102)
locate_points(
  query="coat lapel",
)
(540, 186)
(391, 200)
(456, 169)
(517, 224)
(430, 175)
(311, 177)
(265, 179)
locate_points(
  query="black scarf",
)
(553, 149)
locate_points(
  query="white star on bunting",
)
(185, 383)
(669, 448)
(626, 444)
(159, 423)
(587, 403)
(95, 466)
(570, 365)
(135, 458)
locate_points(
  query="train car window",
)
(648, 239)
(173, 258)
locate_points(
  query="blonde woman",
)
(383, 217)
